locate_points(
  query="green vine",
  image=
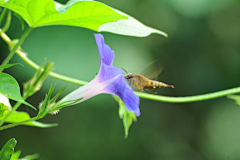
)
(186, 99)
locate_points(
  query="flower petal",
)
(120, 88)
(107, 72)
(131, 101)
(109, 80)
(106, 54)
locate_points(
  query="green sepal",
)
(35, 83)
(43, 106)
(8, 149)
(57, 95)
(235, 97)
(127, 116)
(49, 105)
(8, 65)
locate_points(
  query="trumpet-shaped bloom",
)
(109, 80)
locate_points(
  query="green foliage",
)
(16, 156)
(46, 103)
(8, 149)
(30, 157)
(34, 84)
(125, 115)
(236, 98)
(49, 105)
(22, 116)
(3, 109)
(20, 19)
(129, 27)
(8, 65)
(88, 14)
(10, 88)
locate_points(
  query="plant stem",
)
(3, 14)
(189, 98)
(186, 99)
(52, 74)
(18, 123)
(16, 46)
(6, 38)
(140, 94)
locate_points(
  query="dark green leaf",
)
(10, 88)
(8, 149)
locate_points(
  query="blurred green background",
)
(201, 55)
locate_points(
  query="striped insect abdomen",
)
(156, 84)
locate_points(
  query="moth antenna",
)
(125, 70)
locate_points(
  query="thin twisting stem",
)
(16, 46)
(3, 14)
(8, 22)
(186, 99)
(140, 94)
(189, 98)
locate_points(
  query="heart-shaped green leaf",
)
(10, 88)
(22, 116)
(129, 27)
(82, 13)
(88, 14)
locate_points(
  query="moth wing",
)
(153, 69)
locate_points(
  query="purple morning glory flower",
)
(109, 80)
